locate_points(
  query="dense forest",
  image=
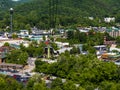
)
(6, 4)
(68, 13)
(86, 71)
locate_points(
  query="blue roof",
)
(15, 46)
(110, 29)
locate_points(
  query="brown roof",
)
(3, 48)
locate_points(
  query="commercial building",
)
(113, 32)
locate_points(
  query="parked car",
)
(27, 74)
(25, 79)
(17, 77)
(117, 62)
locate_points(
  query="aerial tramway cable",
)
(53, 12)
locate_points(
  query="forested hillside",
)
(79, 7)
(69, 12)
(5, 4)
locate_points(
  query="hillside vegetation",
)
(69, 13)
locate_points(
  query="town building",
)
(107, 42)
(109, 19)
(6, 66)
(113, 32)
(100, 49)
(23, 34)
(3, 52)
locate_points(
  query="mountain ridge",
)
(69, 12)
(90, 7)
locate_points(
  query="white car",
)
(117, 62)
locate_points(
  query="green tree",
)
(6, 44)
(69, 85)
(57, 82)
(106, 85)
(85, 70)
(44, 38)
(14, 36)
(22, 58)
(17, 57)
(28, 27)
(74, 50)
(35, 83)
(8, 83)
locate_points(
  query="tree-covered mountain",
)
(79, 7)
(6, 4)
(69, 12)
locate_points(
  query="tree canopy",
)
(69, 13)
(87, 71)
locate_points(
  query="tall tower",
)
(53, 13)
(11, 19)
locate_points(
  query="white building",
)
(91, 18)
(24, 32)
(15, 42)
(60, 44)
(109, 19)
(100, 49)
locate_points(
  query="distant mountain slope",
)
(78, 7)
(69, 12)
(5, 4)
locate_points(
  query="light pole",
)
(11, 19)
